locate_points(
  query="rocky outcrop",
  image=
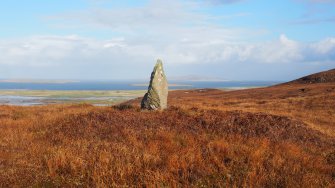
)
(156, 97)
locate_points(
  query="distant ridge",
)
(321, 77)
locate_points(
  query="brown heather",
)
(282, 136)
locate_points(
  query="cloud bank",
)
(51, 50)
(188, 40)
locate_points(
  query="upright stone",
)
(156, 97)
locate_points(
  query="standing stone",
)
(156, 97)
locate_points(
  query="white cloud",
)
(44, 50)
(326, 46)
(172, 30)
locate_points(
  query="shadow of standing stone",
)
(156, 97)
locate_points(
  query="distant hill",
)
(321, 77)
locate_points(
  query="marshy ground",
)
(43, 97)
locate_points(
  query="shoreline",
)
(46, 97)
(28, 97)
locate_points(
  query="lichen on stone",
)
(156, 97)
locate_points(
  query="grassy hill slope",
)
(280, 136)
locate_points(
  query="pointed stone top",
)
(159, 63)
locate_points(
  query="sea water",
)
(104, 86)
(131, 85)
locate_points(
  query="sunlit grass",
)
(249, 138)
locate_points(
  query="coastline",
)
(45, 97)
(27, 97)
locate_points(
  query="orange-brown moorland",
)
(279, 136)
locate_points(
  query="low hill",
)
(280, 136)
(321, 77)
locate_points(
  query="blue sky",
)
(217, 39)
